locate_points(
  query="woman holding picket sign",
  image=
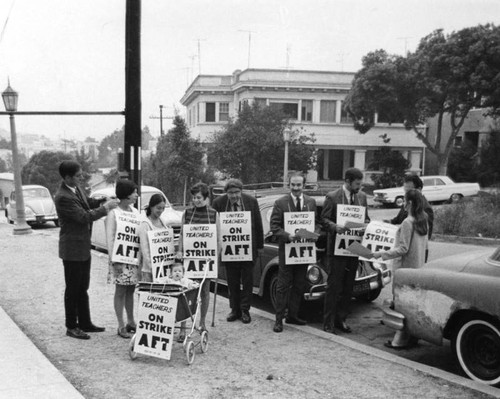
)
(412, 243)
(199, 213)
(123, 247)
(153, 222)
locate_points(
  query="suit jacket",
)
(249, 203)
(329, 213)
(287, 204)
(75, 218)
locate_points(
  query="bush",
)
(470, 218)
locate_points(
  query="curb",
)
(466, 240)
(431, 371)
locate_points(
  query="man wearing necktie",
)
(342, 269)
(291, 278)
(76, 213)
(241, 272)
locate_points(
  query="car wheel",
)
(399, 202)
(273, 288)
(56, 223)
(455, 198)
(372, 295)
(477, 348)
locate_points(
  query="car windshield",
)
(496, 255)
(36, 193)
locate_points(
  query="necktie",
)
(352, 199)
(299, 208)
(235, 207)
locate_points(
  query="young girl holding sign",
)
(124, 273)
(153, 221)
(412, 243)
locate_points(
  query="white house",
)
(312, 100)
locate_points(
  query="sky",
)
(69, 55)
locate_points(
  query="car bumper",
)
(393, 319)
(41, 218)
(362, 286)
(384, 200)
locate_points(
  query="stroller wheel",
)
(204, 341)
(132, 354)
(190, 352)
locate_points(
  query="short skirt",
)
(123, 274)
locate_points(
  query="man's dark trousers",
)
(291, 287)
(239, 273)
(76, 298)
(339, 289)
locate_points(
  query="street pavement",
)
(243, 361)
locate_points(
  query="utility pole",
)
(161, 118)
(133, 106)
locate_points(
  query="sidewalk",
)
(243, 361)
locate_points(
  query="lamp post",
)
(10, 97)
(286, 139)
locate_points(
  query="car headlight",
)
(314, 274)
(29, 212)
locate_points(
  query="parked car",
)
(169, 216)
(370, 278)
(436, 189)
(454, 298)
(38, 203)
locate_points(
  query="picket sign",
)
(303, 251)
(236, 236)
(155, 329)
(380, 236)
(162, 253)
(200, 250)
(126, 246)
(348, 213)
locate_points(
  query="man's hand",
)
(340, 229)
(111, 204)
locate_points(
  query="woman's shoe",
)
(122, 332)
(181, 338)
(131, 328)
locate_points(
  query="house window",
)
(261, 102)
(290, 110)
(210, 112)
(327, 111)
(344, 116)
(458, 141)
(223, 111)
(307, 110)
(241, 104)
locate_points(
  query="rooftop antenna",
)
(341, 60)
(199, 54)
(192, 57)
(288, 51)
(249, 43)
(405, 38)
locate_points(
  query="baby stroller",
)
(188, 307)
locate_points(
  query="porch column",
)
(359, 159)
(326, 162)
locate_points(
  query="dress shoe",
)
(76, 333)
(92, 329)
(329, 329)
(245, 317)
(233, 316)
(122, 332)
(342, 326)
(278, 326)
(295, 320)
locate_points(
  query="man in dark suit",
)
(76, 213)
(415, 182)
(291, 278)
(342, 269)
(241, 272)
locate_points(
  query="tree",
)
(251, 147)
(488, 171)
(43, 169)
(393, 166)
(462, 163)
(179, 161)
(3, 166)
(4, 144)
(445, 77)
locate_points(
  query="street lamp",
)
(286, 139)
(10, 97)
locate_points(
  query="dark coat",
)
(287, 204)
(329, 213)
(75, 218)
(249, 203)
